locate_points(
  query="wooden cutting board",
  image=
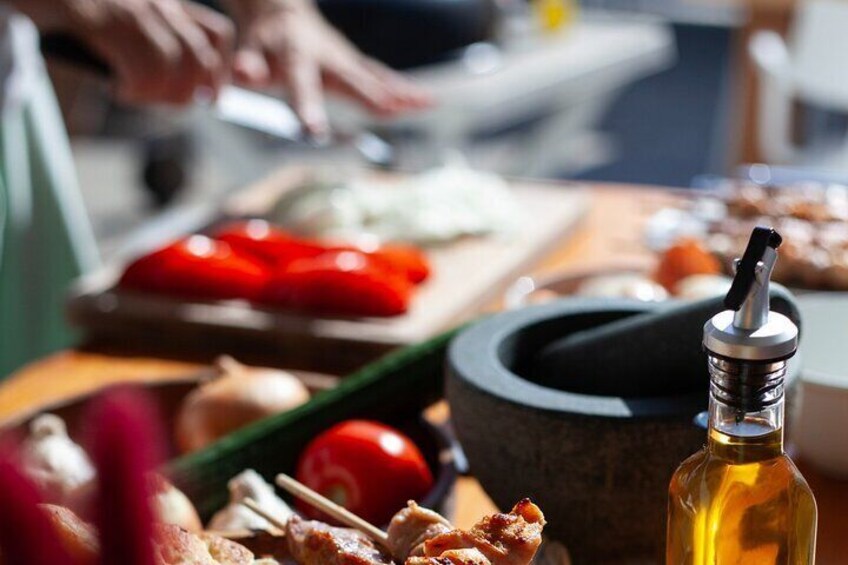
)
(467, 275)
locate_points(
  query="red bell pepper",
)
(409, 260)
(267, 243)
(279, 248)
(339, 282)
(197, 267)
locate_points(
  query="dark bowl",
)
(598, 465)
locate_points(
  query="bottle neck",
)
(746, 410)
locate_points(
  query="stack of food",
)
(416, 536)
(267, 266)
(810, 216)
(139, 518)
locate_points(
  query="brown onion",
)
(239, 396)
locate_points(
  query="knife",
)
(239, 106)
(235, 105)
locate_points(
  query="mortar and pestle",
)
(587, 407)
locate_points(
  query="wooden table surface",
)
(611, 233)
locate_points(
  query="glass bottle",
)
(741, 500)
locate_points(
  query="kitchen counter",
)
(611, 233)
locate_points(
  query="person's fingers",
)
(410, 94)
(303, 77)
(219, 30)
(357, 83)
(200, 63)
(145, 53)
(250, 67)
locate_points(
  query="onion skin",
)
(171, 506)
(238, 397)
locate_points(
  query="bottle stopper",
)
(748, 330)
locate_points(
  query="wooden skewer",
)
(273, 520)
(330, 508)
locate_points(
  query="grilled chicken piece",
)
(316, 543)
(176, 546)
(452, 557)
(504, 539)
(413, 526)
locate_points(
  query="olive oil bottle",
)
(741, 500)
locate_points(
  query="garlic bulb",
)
(234, 516)
(58, 466)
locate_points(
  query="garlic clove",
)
(234, 516)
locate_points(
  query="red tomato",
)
(267, 243)
(197, 267)
(339, 282)
(369, 468)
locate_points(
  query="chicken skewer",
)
(416, 536)
(343, 515)
(317, 543)
(268, 517)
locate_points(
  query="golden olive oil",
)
(740, 501)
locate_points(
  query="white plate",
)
(822, 419)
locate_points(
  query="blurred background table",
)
(611, 232)
(563, 83)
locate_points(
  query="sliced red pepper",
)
(346, 283)
(267, 243)
(409, 260)
(197, 267)
(279, 248)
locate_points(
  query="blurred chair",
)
(810, 68)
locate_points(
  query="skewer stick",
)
(256, 509)
(332, 509)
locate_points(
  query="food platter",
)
(270, 446)
(810, 215)
(467, 274)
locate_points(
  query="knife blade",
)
(235, 105)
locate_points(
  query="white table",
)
(564, 81)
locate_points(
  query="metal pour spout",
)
(749, 293)
(747, 331)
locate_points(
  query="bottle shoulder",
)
(704, 466)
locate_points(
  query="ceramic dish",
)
(823, 414)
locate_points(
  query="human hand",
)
(289, 42)
(161, 51)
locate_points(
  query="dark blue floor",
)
(672, 126)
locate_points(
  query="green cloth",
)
(45, 237)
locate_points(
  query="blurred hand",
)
(288, 42)
(162, 51)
